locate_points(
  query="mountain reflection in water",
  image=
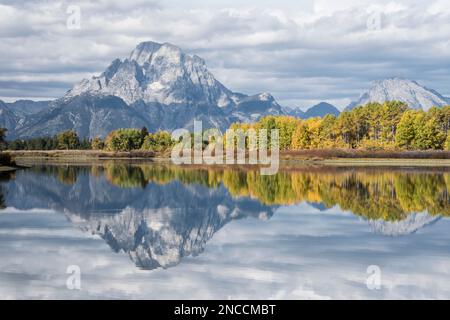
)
(159, 214)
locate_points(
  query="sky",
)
(302, 52)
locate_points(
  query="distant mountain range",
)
(410, 92)
(161, 87)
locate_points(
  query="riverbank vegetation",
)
(390, 128)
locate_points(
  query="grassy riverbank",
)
(81, 154)
(328, 157)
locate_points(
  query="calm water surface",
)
(163, 232)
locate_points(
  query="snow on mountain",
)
(160, 73)
(410, 92)
(250, 109)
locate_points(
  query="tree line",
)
(374, 126)
(118, 140)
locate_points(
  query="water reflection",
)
(159, 214)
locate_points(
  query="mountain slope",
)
(90, 116)
(321, 110)
(8, 119)
(410, 92)
(28, 107)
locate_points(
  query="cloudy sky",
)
(302, 51)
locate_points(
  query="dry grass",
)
(81, 154)
(362, 154)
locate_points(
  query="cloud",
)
(302, 52)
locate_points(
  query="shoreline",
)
(8, 168)
(287, 158)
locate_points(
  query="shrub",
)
(68, 140)
(159, 141)
(97, 144)
(124, 140)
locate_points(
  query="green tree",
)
(447, 143)
(406, 132)
(68, 140)
(428, 134)
(159, 141)
(124, 140)
(3, 143)
(391, 113)
(97, 144)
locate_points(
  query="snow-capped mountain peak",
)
(407, 91)
(160, 73)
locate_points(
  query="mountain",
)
(28, 107)
(321, 110)
(318, 110)
(295, 112)
(8, 119)
(158, 86)
(410, 92)
(160, 73)
(250, 109)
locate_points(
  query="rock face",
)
(8, 119)
(157, 86)
(410, 92)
